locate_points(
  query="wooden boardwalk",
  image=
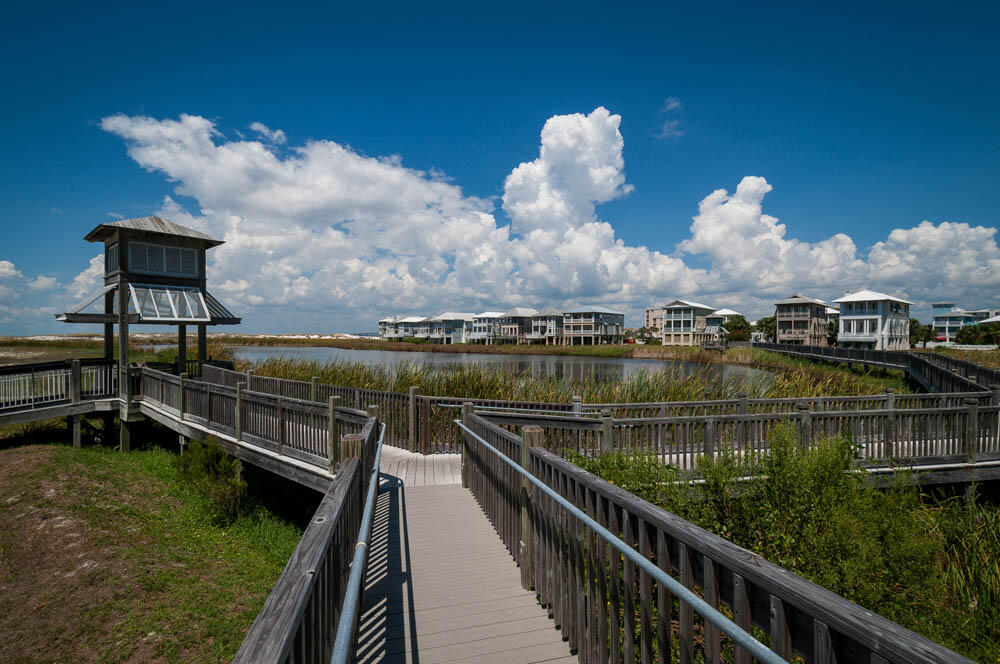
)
(414, 469)
(441, 587)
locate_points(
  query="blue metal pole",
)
(343, 645)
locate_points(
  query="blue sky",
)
(862, 121)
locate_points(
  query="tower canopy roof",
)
(153, 225)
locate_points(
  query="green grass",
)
(929, 564)
(188, 586)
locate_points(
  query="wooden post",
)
(411, 414)
(805, 424)
(313, 383)
(890, 423)
(74, 396)
(109, 328)
(971, 429)
(531, 436)
(124, 431)
(182, 349)
(372, 415)
(607, 431)
(202, 345)
(708, 447)
(180, 393)
(181, 440)
(249, 385)
(281, 427)
(124, 384)
(577, 413)
(741, 424)
(467, 411)
(239, 410)
(333, 434)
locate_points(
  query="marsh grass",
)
(928, 564)
(497, 382)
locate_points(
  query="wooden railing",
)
(612, 609)
(28, 386)
(300, 616)
(290, 427)
(920, 436)
(936, 372)
(423, 423)
(299, 619)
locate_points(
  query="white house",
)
(450, 327)
(874, 321)
(410, 326)
(684, 323)
(546, 327)
(485, 328)
(515, 326)
(715, 323)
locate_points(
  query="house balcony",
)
(794, 333)
(858, 336)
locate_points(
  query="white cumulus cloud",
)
(42, 283)
(318, 233)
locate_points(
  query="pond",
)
(561, 366)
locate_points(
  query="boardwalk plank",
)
(442, 587)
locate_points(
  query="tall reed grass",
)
(497, 382)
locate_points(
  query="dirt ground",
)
(98, 564)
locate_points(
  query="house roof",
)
(687, 303)
(799, 299)
(592, 309)
(870, 296)
(521, 312)
(548, 313)
(832, 310)
(726, 312)
(150, 225)
(491, 314)
(453, 315)
(991, 319)
(412, 319)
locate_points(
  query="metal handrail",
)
(343, 645)
(706, 610)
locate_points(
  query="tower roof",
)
(153, 225)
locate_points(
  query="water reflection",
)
(561, 366)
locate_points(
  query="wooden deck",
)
(441, 587)
(414, 469)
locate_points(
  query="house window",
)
(160, 259)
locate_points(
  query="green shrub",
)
(216, 477)
(933, 567)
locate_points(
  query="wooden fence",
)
(298, 623)
(29, 386)
(950, 434)
(296, 428)
(611, 610)
(934, 371)
(423, 423)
